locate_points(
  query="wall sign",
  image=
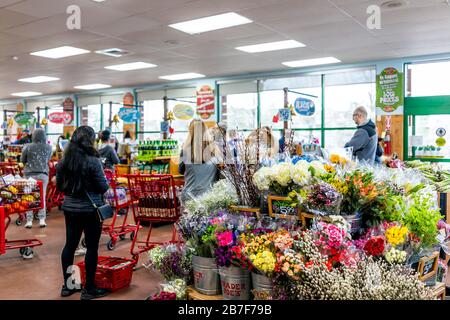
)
(280, 207)
(304, 107)
(60, 117)
(205, 101)
(441, 132)
(24, 118)
(129, 114)
(68, 107)
(285, 114)
(183, 112)
(389, 92)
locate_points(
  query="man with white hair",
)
(365, 139)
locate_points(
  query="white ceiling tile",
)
(140, 6)
(11, 19)
(123, 26)
(41, 28)
(47, 8)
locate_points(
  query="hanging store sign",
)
(285, 114)
(205, 101)
(129, 114)
(183, 112)
(24, 118)
(60, 117)
(389, 92)
(304, 107)
(164, 126)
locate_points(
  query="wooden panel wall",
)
(396, 133)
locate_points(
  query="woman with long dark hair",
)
(80, 176)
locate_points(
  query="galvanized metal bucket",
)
(206, 275)
(236, 283)
(262, 286)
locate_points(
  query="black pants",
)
(76, 224)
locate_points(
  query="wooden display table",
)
(439, 290)
(193, 294)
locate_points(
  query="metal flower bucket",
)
(206, 275)
(236, 283)
(262, 286)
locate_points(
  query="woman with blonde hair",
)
(198, 159)
(261, 144)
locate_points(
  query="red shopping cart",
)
(27, 198)
(153, 199)
(119, 198)
(54, 197)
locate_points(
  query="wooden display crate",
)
(306, 219)
(439, 290)
(193, 294)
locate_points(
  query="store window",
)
(428, 79)
(344, 91)
(337, 138)
(153, 115)
(177, 124)
(272, 99)
(91, 116)
(238, 105)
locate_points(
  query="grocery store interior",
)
(335, 113)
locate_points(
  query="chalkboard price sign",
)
(280, 207)
(428, 266)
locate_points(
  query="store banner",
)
(129, 114)
(60, 117)
(69, 107)
(304, 107)
(206, 101)
(164, 126)
(389, 92)
(183, 112)
(24, 119)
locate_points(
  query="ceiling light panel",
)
(60, 52)
(131, 66)
(38, 79)
(92, 86)
(271, 46)
(311, 62)
(211, 23)
(26, 94)
(182, 76)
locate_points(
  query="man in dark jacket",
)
(365, 139)
(35, 157)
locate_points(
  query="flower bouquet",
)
(322, 199)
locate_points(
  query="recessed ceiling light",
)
(60, 52)
(394, 4)
(206, 24)
(26, 94)
(182, 76)
(311, 62)
(38, 79)
(92, 86)
(113, 52)
(131, 66)
(98, 0)
(271, 46)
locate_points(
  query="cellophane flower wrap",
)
(323, 199)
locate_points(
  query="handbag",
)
(104, 212)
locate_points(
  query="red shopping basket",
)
(113, 273)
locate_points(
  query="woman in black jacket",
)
(81, 172)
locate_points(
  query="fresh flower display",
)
(396, 235)
(221, 196)
(375, 246)
(323, 199)
(177, 286)
(289, 262)
(395, 256)
(163, 295)
(172, 261)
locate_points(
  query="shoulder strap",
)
(90, 199)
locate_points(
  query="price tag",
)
(280, 207)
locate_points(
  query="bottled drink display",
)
(150, 149)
